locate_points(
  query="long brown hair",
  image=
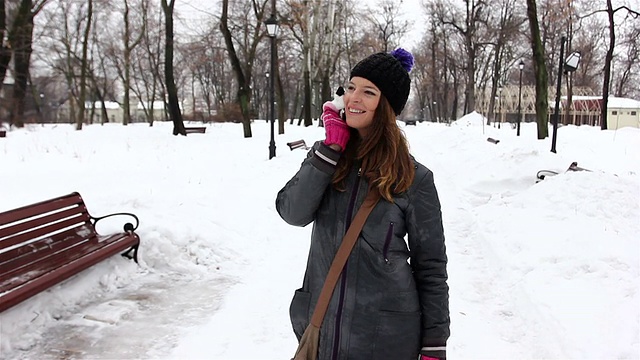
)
(384, 155)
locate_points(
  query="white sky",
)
(194, 11)
(548, 270)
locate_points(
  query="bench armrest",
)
(128, 227)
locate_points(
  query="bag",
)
(308, 345)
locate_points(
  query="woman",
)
(392, 300)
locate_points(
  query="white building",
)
(623, 112)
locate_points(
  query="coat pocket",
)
(397, 336)
(398, 327)
(299, 312)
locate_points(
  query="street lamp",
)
(521, 66)
(500, 104)
(570, 65)
(435, 111)
(272, 31)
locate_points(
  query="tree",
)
(84, 66)
(128, 45)
(20, 40)
(388, 23)
(172, 91)
(540, 69)
(474, 18)
(609, 57)
(508, 25)
(629, 65)
(251, 36)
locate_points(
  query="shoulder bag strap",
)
(348, 242)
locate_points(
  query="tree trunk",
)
(5, 50)
(172, 91)
(83, 69)
(244, 90)
(21, 41)
(607, 67)
(281, 100)
(540, 69)
(307, 99)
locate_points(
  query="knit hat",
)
(390, 73)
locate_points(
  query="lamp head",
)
(521, 64)
(272, 26)
(572, 62)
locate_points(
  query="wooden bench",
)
(410, 122)
(298, 144)
(196, 129)
(45, 243)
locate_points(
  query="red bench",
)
(45, 243)
(195, 129)
(298, 144)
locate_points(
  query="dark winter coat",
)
(383, 307)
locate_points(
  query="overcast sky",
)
(193, 14)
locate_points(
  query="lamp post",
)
(41, 108)
(435, 111)
(268, 84)
(500, 104)
(272, 30)
(570, 65)
(521, 66)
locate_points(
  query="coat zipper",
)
(387, 242)
(343, 280)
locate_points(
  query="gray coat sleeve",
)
(429, 263)
(299, 199)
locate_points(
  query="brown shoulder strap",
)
(348, 242)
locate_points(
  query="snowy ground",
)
(537, 271)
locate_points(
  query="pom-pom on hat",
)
(390, 73)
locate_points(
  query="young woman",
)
(392, 299)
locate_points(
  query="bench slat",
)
(45, 243)
(42, 231)
(39, 266)
(33, 223)
(49, 279)
(39, 208)
(20, 256)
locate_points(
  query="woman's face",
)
(361, 100)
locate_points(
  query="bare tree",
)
(629, 65)
(20, 39)
(507, 29)
(148, 85)
(474, 18)
(83, 67)
(254, 16)
(609, 57)
(172, 91)
(540, 68)
(387, 20)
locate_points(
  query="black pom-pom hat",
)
(390, 73)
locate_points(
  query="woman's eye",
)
(351, 88)
(371, 93)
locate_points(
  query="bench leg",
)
(134, 248)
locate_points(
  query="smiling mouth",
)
(356, 111)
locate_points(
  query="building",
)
(92, 112)
(621, 112)
(585, 110)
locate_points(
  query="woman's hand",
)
(336, 129)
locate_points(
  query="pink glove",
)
(336, 129)
(425, 357)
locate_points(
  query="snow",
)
(547, 270)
